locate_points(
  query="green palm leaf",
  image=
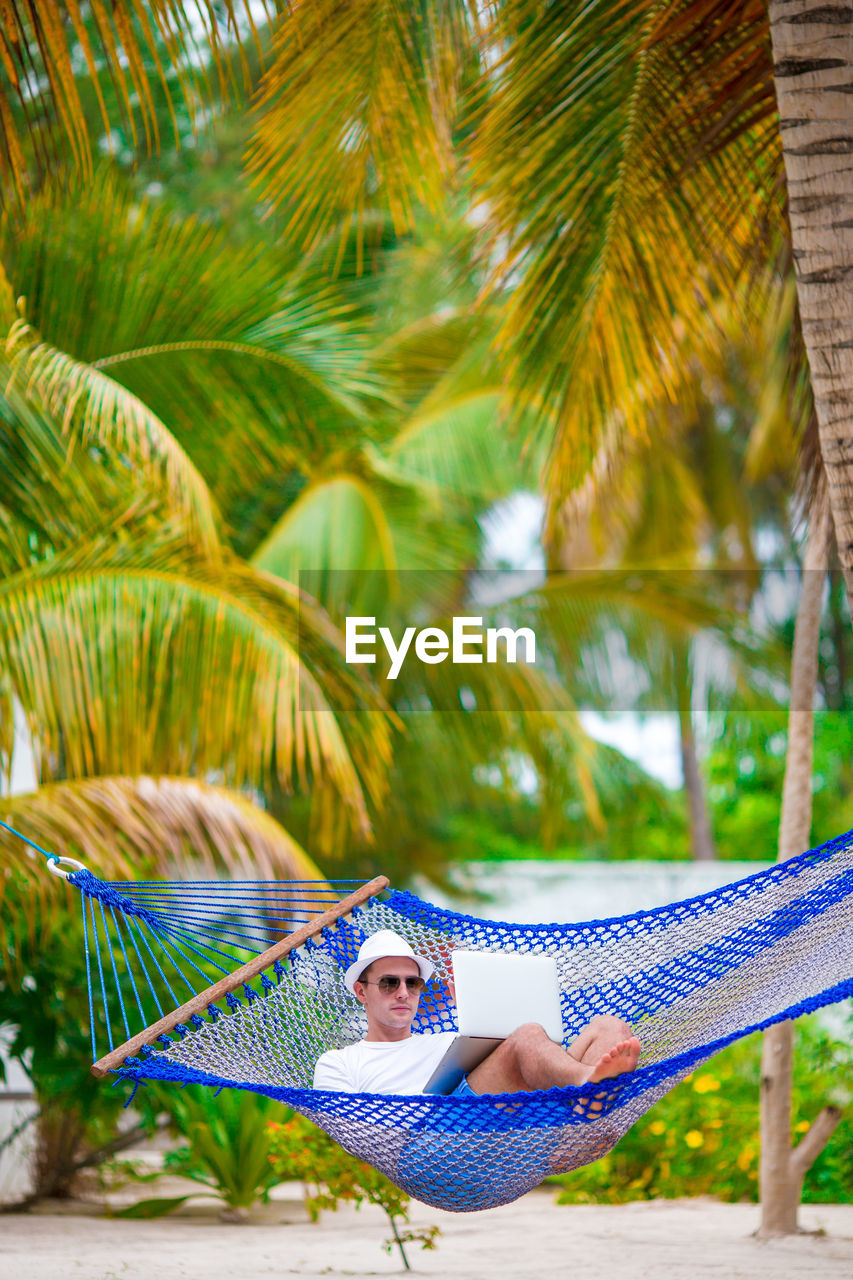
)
(486, 730)
(459, 447)
(128, 660)
(51, 501)
(91, 407)
(245, 354)
(418, 354)
(123, 828)
(358, 542)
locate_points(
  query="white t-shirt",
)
(379, 1066)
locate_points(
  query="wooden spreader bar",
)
(198, 1004)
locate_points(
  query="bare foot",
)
(624, 1056)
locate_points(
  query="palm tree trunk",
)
(835, 691)
(699, 824)
(813, 71)
(782, 1169)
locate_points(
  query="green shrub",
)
(331, 1175)
(226, 1147)
(44, 1025)
(703, 1137)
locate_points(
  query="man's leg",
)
(529, 1060)
(598, 1037)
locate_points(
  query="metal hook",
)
(53, 865)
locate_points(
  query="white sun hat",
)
(381, 946)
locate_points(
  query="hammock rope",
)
(691, 978)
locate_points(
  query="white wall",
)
(549, 891)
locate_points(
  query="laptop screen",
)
(496, 993)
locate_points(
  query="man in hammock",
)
(388, 977)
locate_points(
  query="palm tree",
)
(592, 140)
(602, 137)
(162, 681)
(133, 639)
(783, 1167)
(630, 162)
(353, 461)
(634, 126)
(383, 524)
(692, 494)
(812, 74)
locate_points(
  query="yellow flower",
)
(802, 1127)
(746, 1158)
(694, 1138)
(657, 1127)
(706, 1084)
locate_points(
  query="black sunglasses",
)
(390, 982)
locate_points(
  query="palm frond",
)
(357, 108)
(133, 660)
(360, 543)
(505, 727)
(776, 362)
(8, 307)
(244, 354)
(91, 408)
(47, 505)
(131, 53)
(418, 353)
(337, 524)
(616, 244)
(434, 276)
(723, 54)
(611, 632)
(459, 446)
(126, 828)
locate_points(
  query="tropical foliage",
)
(202, 664)
(226, 1147)
(635, 126)
(343, 433)
(703, 1139)
(333, 1177)
(745, 768)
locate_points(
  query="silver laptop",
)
(495, 994)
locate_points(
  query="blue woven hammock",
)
(690, 977)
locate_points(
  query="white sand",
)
(666, 1240)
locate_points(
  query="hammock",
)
(691, 978)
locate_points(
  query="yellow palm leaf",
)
(91, 407)
(618, 192)
(358, 97)
(123, 665)
(135, 49)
